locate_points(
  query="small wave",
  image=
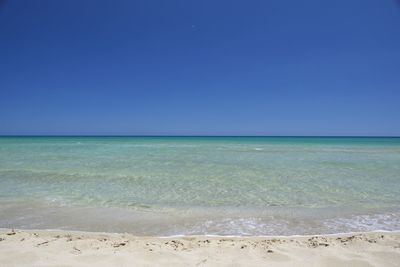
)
(365, 223)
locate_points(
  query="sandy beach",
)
(67, 248)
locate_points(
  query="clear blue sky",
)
(200, 67)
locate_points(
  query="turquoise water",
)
(201, 185)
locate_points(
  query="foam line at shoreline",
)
(197, 236)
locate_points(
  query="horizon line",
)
(157, 135)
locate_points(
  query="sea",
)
(232, 186)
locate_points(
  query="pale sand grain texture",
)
(66, 248)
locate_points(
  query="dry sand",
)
(66, 248)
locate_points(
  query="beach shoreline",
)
(76, 248)
(256, 186)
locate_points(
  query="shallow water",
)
(201, 185)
